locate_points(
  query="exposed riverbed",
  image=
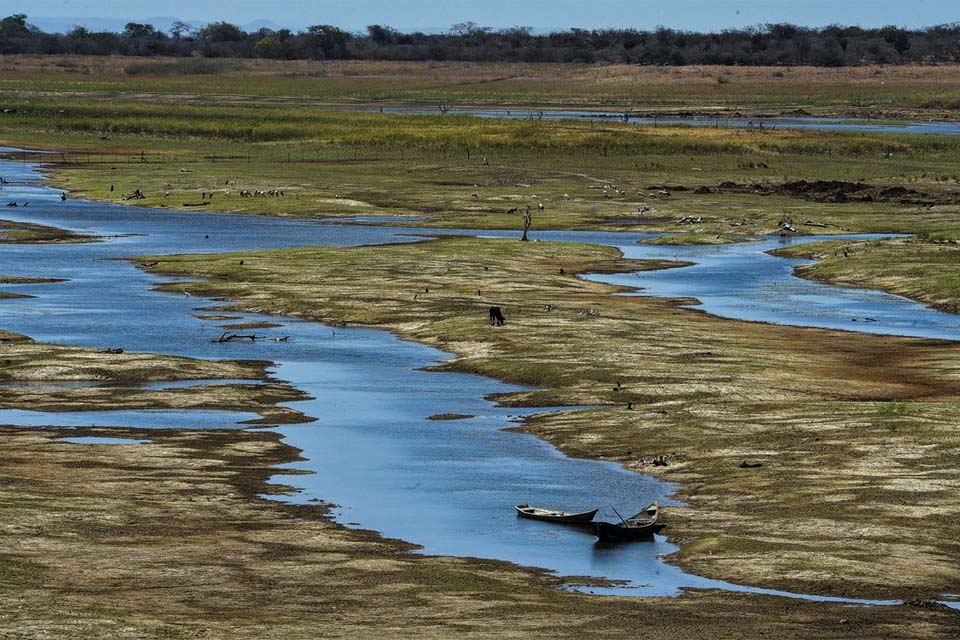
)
(449, 485)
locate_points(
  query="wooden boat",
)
(639, 527)
(550, 515)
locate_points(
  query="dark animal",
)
(496, 317)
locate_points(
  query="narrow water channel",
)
(448, 486)
(720, 120)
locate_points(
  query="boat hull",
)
(639, 527)
(608, 532)
(560, 517)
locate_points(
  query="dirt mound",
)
(841, 191)
(667, 187)
(824, 190)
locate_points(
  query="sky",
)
(438, 15)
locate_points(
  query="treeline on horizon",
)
(770, 44)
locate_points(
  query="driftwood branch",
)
(234, 337)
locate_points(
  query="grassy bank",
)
(923, 268)
(860, 423)
(44, 377)
(27, 233)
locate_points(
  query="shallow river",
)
(448, 486)
(721, 121)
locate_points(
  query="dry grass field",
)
(888, 91)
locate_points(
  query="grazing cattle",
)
(512, 210)
(496, 317)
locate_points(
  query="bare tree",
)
(180, 29)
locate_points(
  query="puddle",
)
(97, 440)
(141, 419)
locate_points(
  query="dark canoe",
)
(551, 515)
(639, 527)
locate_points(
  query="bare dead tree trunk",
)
(527, 221)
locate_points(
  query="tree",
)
(381, 36)
(464, 29)
(898, 38)
(518, 36)
(217, 32)
(328, 40)
(16, 36)
(179, 29)
(16, 26)
(527, 221)
(137, 31)
(471, 32)
(269, 47)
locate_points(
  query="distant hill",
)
(256, 25)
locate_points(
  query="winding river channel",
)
(449, 487)
(720, 120)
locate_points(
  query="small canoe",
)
(551, 515)
(639, 527)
